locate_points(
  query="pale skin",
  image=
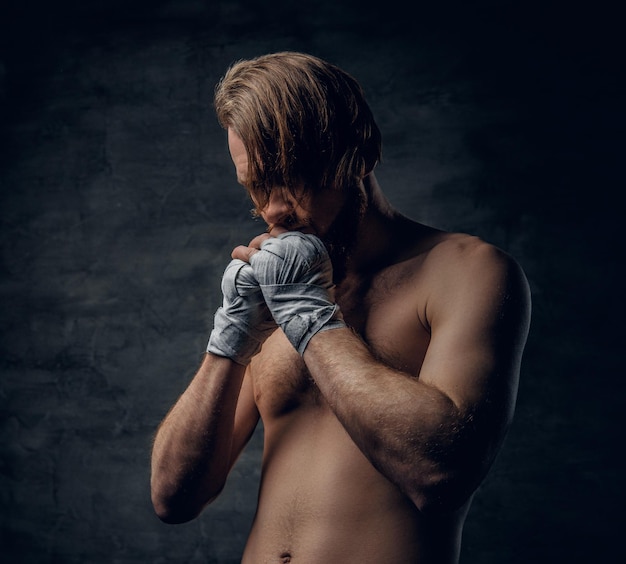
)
(376, 439)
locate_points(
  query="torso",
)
(321, 501)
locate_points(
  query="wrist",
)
(229, 340)
(301, 328)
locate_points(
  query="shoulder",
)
(463, 250)
(466, 272)
(457, 256)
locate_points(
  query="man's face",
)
(331, 215)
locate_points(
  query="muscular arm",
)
(200, 438)
(436, 436)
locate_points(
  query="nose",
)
(278, 208)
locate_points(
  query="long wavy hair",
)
(304, 122)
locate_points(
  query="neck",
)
(377, 230)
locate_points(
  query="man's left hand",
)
(296, 278)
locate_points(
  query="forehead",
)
(238, 154)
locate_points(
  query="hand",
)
(244, 253)
(296, 277)
(243, 322)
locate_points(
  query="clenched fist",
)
(295, 275)
(243, 322)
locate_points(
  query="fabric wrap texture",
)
(296, 278)
(243, 322)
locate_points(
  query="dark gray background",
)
(119, 208)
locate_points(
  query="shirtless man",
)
(385, 375)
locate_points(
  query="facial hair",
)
(341, 237)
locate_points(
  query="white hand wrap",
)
(243, 322)
(296, 278)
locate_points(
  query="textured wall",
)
(119, 208)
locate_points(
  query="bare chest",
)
(385, 311)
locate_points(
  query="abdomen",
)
(321, 501)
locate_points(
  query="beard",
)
(341, 237)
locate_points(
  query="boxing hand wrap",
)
(243, 322)
(296, 278)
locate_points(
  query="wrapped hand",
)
(243, 322)
(296, 277)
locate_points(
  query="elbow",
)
(447, 482)
(173, 514)
(441, 492)
(179, 507)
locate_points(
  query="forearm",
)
(191, 454)
(411, 432)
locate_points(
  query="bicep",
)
(478, 331)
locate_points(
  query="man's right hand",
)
(243, 322)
